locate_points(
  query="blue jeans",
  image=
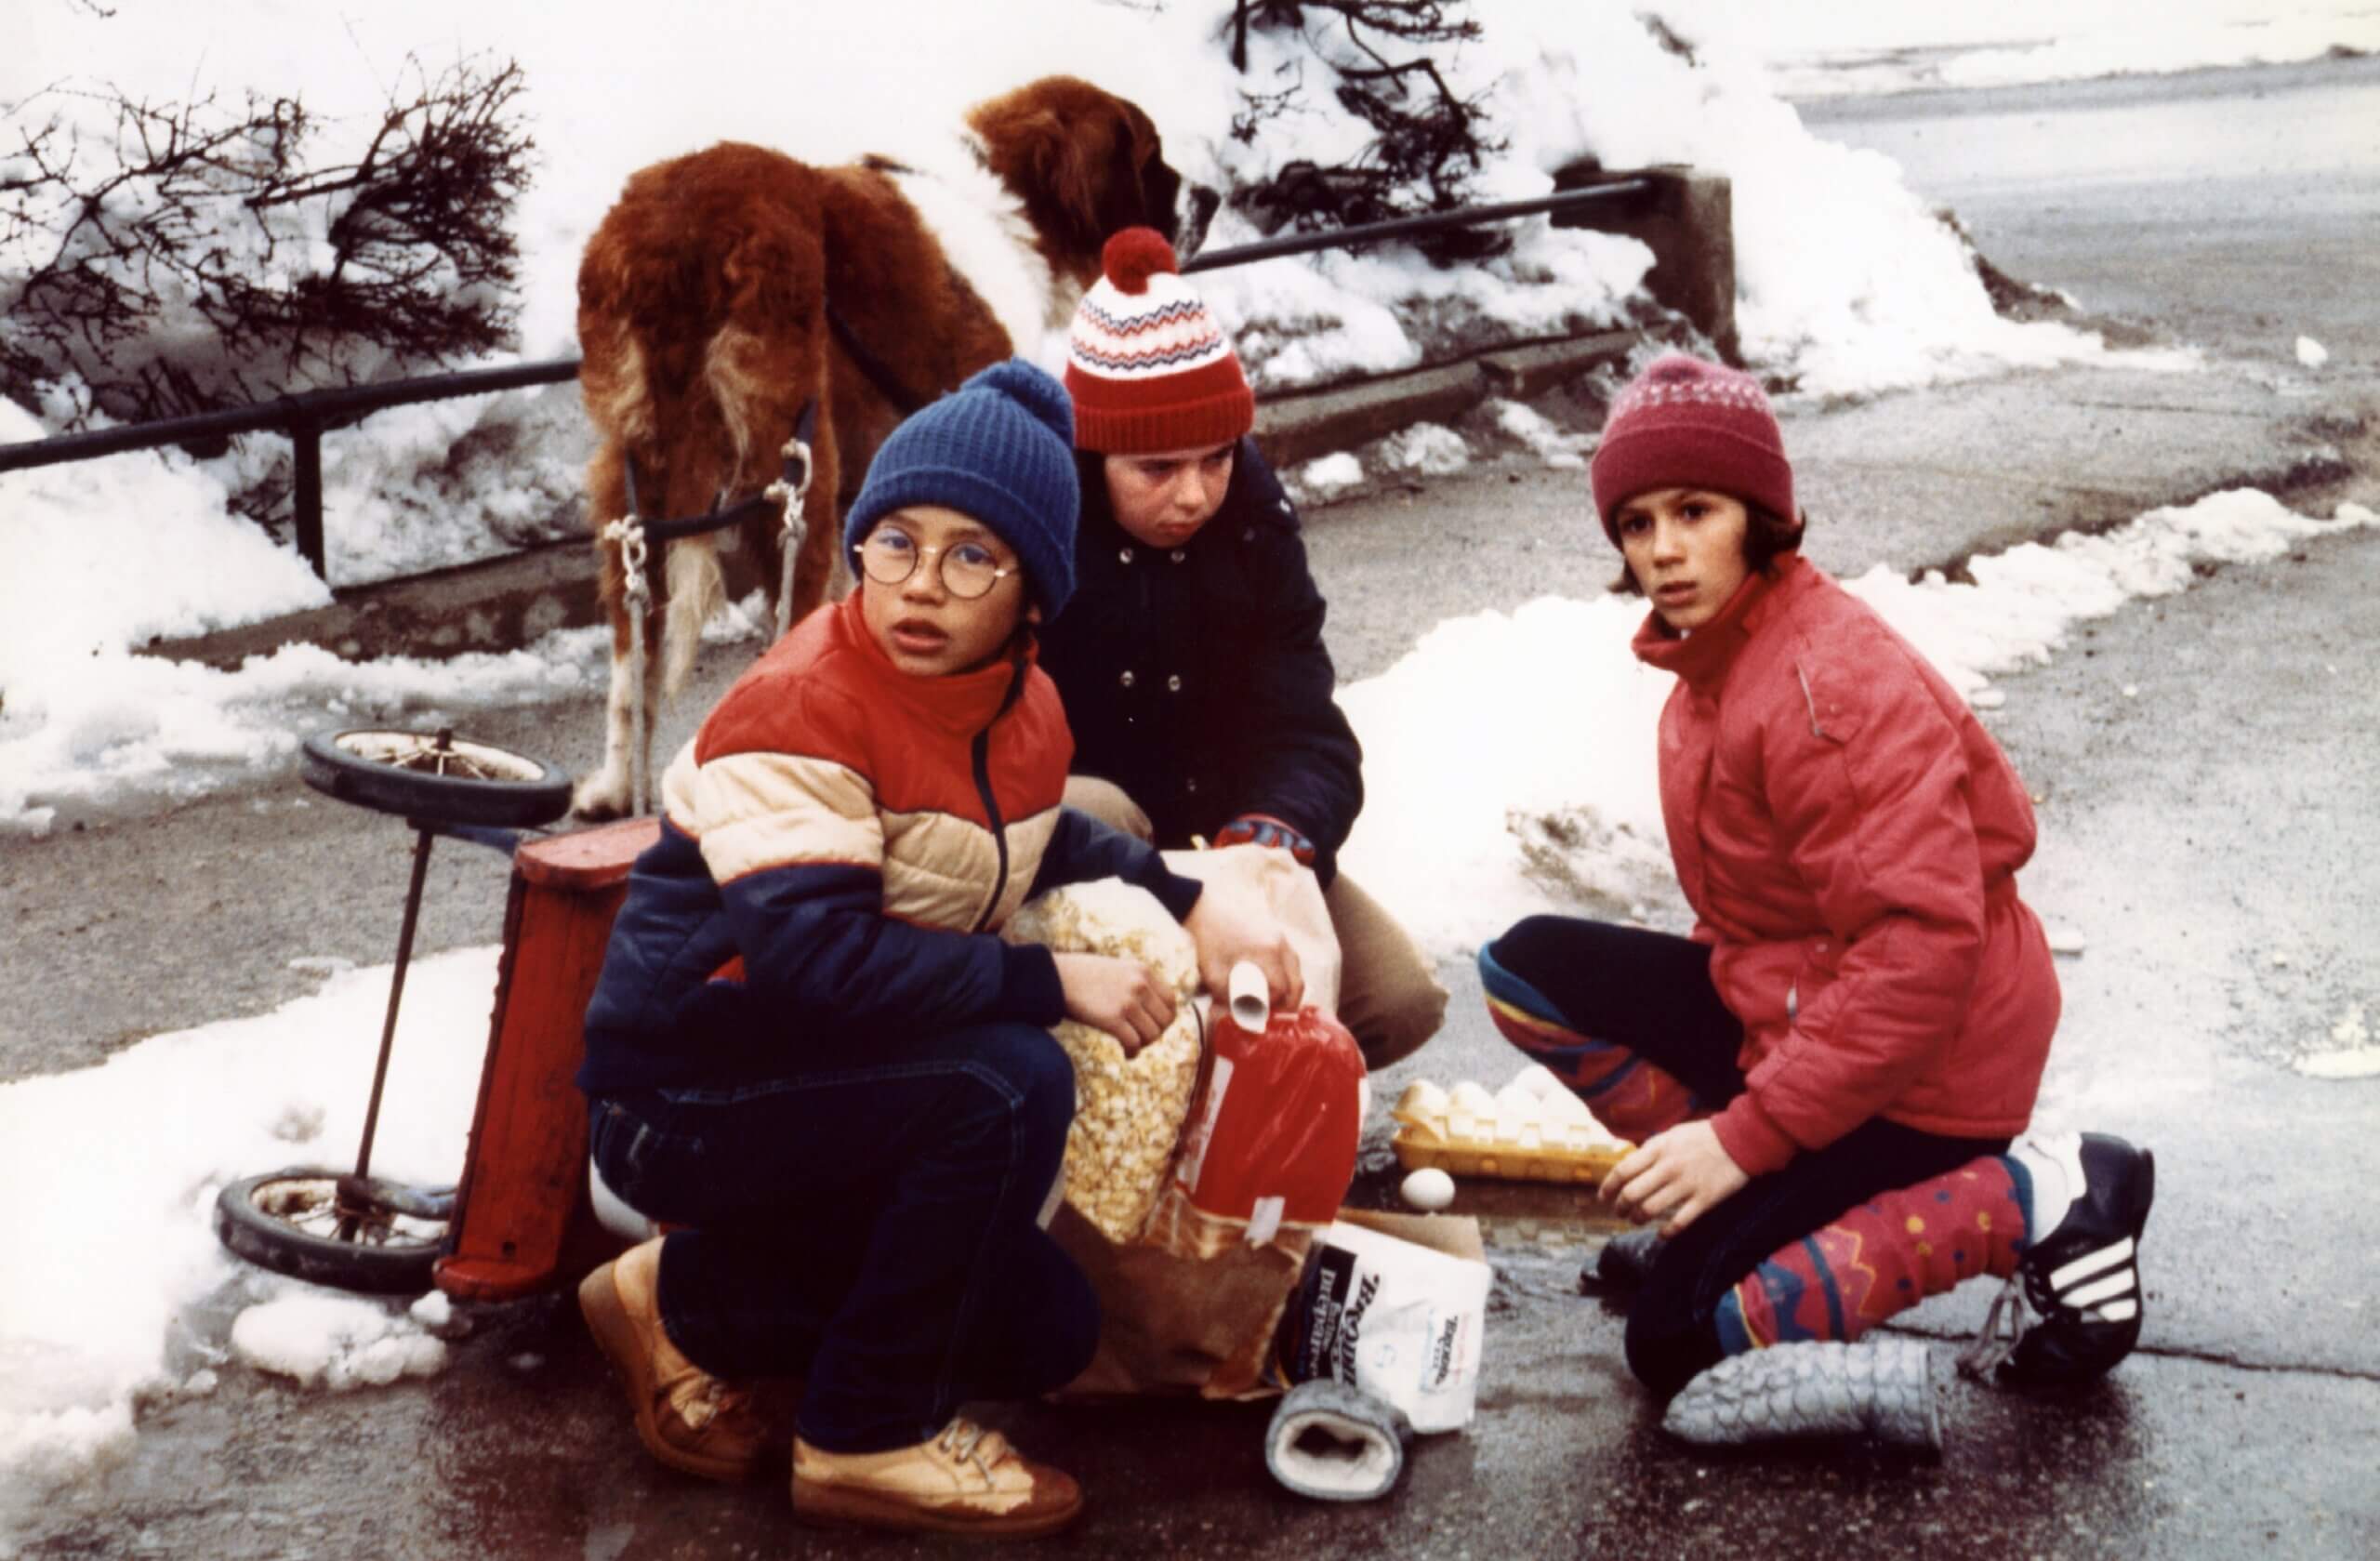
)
(867, 1223)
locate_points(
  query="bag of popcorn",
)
(1129, 1111)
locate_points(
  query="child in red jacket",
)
(807, 1049)
(1825, 1079)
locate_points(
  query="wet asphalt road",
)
(2221, 813)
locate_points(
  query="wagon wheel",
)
(332, 1228)
(439, 777)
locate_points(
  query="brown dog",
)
(729, 288)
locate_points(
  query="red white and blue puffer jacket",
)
(1848, 835)
(837, 843)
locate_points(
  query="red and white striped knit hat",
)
(1147, 367)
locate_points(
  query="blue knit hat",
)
(1001, 449)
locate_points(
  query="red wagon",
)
(521, 1218)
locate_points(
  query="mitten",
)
(1256, 829)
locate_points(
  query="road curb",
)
(503, 604)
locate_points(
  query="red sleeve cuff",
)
(1752, 1137)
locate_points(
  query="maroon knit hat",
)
(1147, 366)
(1684, 423)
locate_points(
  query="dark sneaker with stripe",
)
(2083, 1279)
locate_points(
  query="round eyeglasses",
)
(968, 570)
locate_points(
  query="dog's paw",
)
(601, 796)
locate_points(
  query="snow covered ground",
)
(132, 1306)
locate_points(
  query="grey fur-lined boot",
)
(1874, 1387)
(1335, 1443)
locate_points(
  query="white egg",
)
(1566, 1109)
(1472, 1098)
(1422, 1099)
(1539, 1080)
(1428, 1190)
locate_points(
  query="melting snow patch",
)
(1547, 441)
(335, 1342)
(749, 619)
(2312, 353)
(2026, 599)
(2361, 1062)
(1318, 482)
(1427, 449)
(2353, 1057)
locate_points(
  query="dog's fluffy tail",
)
(660, 399)
(701, 326)
(698, 592)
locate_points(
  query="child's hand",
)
(1122, 997)
(1227, 931)
(1675, 1175)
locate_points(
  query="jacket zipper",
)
(982, 751)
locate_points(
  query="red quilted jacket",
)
(1848, 835)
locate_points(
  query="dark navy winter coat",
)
(1196, 677)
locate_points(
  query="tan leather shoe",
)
(687, 1418)
(967, 1480)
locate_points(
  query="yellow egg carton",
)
(1533, 1130)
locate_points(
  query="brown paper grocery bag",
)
(1173, 1324)
(1191, 1306)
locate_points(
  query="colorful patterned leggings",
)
(1839, 1240)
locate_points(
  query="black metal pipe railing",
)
(1366, 233)
(305, 416)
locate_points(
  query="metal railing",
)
(307, 415)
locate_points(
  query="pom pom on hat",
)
(1684, 423)
(1134, 256)
(1149, 368)
(1000, 448)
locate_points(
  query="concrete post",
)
(1688, 219)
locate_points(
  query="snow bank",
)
(115, 1170)
(91, 736)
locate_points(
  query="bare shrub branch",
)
(177, 257)
(1428, 143)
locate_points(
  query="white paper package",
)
(1393, 1320)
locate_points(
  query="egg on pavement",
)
(1428, 1190)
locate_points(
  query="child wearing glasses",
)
(1192, 660)
(1825, 1079)
(810, 1054)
